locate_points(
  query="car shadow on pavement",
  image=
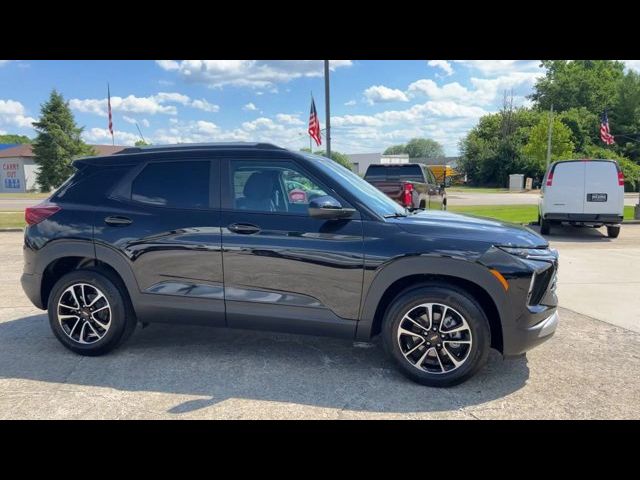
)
(571, 234)
(220, 364)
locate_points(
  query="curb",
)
(11, 230)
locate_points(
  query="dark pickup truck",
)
(412, 185)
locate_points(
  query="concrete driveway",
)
(587, 370)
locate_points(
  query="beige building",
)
(18, 171)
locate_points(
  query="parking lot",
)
(589, 369)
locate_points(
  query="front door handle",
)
(243, 228)
(118, 221)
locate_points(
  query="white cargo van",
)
(582, 192)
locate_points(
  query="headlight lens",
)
(532, 253)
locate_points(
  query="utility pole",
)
(549, 136)
(327, 106)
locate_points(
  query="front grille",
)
(541, 282)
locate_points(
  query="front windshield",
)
(361, 189)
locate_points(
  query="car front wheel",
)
(438, 335)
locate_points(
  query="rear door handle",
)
(118, 221)
(243, 228)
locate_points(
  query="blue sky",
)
(374, 103)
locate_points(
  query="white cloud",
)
(14, 114)
(485, 92)
(247, 73)
(289, 119)
(350, 103)
(380, 94)
(347, 120)
(151, 105)
(249, 107)
(4, 62)
(443, 64)
(632, 64)
(133, 121)
(202, 104)
(496, 67)
(102, 135)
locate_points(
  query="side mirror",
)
(328, 208)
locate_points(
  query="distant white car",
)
(582, 192)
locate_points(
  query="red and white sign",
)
(297, 196)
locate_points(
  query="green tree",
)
(337, 157)
(424, 147)
(10, 138)
(493, 149)
(141, 143)
(57, 142)
(535, 150)
(624, 117)
(584, 126)
(395, 150)
(577, 83)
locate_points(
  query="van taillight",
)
(621, 179)
(550, 179)
(38, 213)
(406, 194)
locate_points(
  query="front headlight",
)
(532, 253)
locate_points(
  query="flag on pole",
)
(605, 134)
(314, 124)
(109, 107)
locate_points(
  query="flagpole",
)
(327, 106)
(113, 141)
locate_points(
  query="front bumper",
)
(525, 339)
(31, 284)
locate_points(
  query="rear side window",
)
(173, 185)
(90, 184)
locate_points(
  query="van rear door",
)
(602, 192)
(566, 192)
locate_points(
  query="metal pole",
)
(549, 136)
(327, 106)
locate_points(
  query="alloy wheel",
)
(84, 313)
(434, 338)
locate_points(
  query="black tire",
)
(452, 297)
(545, 227)
(613, 231)
(122, 318)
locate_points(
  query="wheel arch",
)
(409, 273)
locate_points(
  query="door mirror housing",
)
(328, 208)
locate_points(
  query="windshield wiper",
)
(395, 215)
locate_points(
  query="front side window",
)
(173, 185)
(271, 188)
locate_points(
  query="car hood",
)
(469, 227)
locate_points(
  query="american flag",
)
(314, 124)
(109, 106)
(605, 134)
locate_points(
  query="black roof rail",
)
(198, 146)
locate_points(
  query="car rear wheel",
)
(613, 231)
(545, 226)
(438, 335)
(90, 313)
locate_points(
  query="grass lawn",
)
(512, 213)
(24, 195)
(12, 219)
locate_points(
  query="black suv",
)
(254, 236)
